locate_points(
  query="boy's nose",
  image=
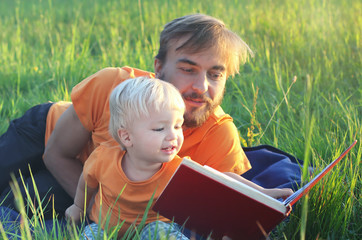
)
(171, 135)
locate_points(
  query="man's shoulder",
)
(219, 116)
(218, 122)
(103, 81)
(124, 72)
(135, 72)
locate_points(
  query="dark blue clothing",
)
(273, 168)
(21, 146)
(11, 219)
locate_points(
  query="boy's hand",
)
(74, 214)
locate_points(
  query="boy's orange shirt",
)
(118, 198)
(216, 143)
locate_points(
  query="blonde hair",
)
(205, 32)
(134, 97)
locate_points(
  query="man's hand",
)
(278, 192)
(273, 192)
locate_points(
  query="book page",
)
(305, 189)
(237, 185)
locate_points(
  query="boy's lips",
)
(169, 149)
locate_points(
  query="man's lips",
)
(196, 102)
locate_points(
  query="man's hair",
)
(205, 32)
(134, 98)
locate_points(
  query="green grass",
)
(46, 47)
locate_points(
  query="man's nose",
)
(200, 83)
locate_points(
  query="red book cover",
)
(211, 203)
(206, 205)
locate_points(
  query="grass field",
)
(46, 47)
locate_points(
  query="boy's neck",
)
(138, 170)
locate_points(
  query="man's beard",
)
(195, 117)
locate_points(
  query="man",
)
(197, 54)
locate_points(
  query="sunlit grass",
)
(46, 47)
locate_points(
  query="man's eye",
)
(215, 76)
(157, 129)
(187, 70)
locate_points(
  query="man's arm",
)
(272, 192)
(65, 143)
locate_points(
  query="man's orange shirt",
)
(216, 143)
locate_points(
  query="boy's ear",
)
(124, 136)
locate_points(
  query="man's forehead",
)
(177, 46)
(212, 56)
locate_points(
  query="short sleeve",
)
(91, 168)
(217, 144)
(55, 111)
(223, 149)
(90, 96)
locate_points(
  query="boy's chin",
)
(168, 159)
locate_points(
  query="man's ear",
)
(124, 136)
(157, 64)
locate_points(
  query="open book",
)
(207, 201)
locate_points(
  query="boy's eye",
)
(157, 129)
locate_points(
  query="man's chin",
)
(196, 118)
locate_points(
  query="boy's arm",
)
(81, 201)
(65, 143)
(272, 192)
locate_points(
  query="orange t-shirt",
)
(216, 143)
(103, 169)
(54, 113)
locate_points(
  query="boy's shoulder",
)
(110, 147)
(106, 152)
